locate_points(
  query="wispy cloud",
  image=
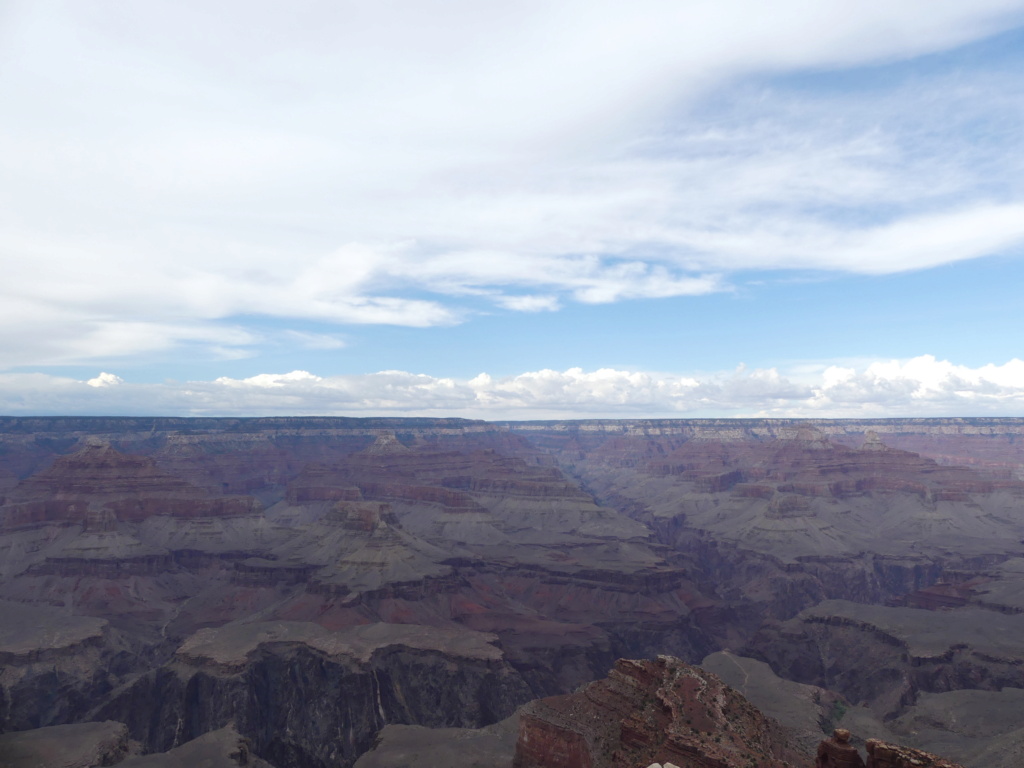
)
(308, 340)
(169, 168)
(921, 386)
(529, 303)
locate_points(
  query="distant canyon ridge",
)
(313, 592)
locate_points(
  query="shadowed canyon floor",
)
(315, 592)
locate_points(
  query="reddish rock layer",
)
(650, 711)
(809, 465)
(98, 486)
(882, 754)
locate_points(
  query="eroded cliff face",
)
(887, 657)
(308, 697)
(569, 544)
(55, 667)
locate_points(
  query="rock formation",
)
(651, 711)
(837, 752)
(82, 745)
(884, 755)
(98, 485)
(307, 696)
(886, 657)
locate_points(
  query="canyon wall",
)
(811, 546)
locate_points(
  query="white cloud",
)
(105, 380)
(308, 340)
(921, 386)
(36, 332)
(924, 384)
(271, 380)
(529, 303)
(168, 167)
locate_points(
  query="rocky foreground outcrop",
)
(661, 710)
(884, 755)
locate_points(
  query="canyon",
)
(315, 592)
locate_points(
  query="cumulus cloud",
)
(169, 168)
(105, 380)
(924, 384)
(921, 386)
(271, 380)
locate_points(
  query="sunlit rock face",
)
(663, 712)
(565, 545)
(659, 710)
(884, 755)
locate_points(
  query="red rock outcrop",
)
(882, 754)
(661, 710)
(837, 752)
(943, 595)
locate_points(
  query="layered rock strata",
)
(571, 544)
(886, 657)
(98, 486)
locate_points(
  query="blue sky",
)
(549, 210)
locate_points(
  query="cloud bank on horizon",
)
(190, 181)
(922, 386)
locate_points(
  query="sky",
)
(521, 210)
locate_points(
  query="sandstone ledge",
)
(930, 634)
(231, 644)
(66, 746)
(27, 631)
